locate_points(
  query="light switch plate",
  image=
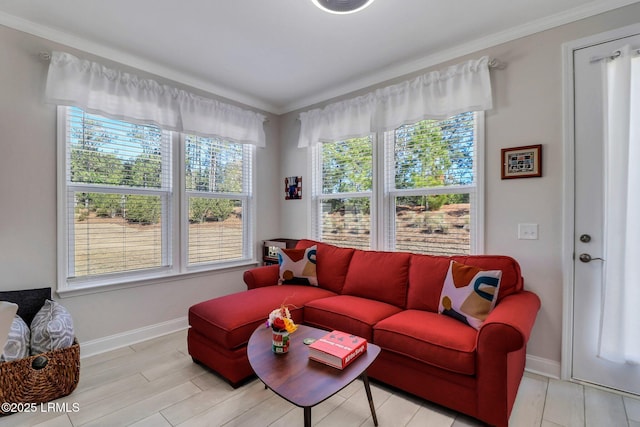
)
(527, 231)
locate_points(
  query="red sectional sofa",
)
(391, 299)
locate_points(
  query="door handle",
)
(588, 258)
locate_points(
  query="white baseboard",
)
(546, 367)
(112, 342)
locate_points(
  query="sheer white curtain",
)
(434, 95)
(120, 95)
(621, 292)
(208, 117)
(339, 121)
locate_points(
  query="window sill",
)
(94, 288)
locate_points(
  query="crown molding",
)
(408, 67)
(123, 57)
(371, 79)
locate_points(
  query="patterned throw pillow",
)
(469, 293)
(17, 345)
(51, 329)
(298, 266)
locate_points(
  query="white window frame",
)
(175, 237)
(318, 197)
(383, 197)
(248, 210)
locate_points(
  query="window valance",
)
(124, 96)
(434, 95)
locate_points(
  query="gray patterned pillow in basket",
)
(51, 328)
(17, 345)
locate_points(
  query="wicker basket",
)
(40, 378)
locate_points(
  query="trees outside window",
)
(427, 197)
(121, 203)
(343, 204)
(218, 190)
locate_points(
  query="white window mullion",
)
(70, 247)
(462, 189)
(316, 192)
(248, 227)
(377, 193)
(389, 206)
(184, 206)
(477, 197)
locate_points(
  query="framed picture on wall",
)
(293, 187)
(521, 162)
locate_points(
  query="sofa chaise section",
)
(220, 328)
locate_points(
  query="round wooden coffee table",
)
(299, 380)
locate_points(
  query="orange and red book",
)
(337, 349)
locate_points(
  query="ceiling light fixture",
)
(342, 7)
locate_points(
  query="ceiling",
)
(280, 55)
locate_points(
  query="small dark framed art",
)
(293, 187)
(521, 162)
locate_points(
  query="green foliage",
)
(95, 159)
(347, 166)
(142, 209)
(106, 205)
(434, 153)
(130, 155)
(205, 209)
(146, 171)
(212, 165)
(422, 156)
(94, 167)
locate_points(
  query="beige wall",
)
(527, 110)
(28, 206)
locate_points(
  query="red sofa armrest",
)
(508, 327)
(262, 276)
(501, 355)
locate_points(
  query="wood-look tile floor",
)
(155, 384)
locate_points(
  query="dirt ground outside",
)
(441, 232)
(108, 245)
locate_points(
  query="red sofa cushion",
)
(347, 313)
(426, 279)
(332, 263)
(431, 338)
(231, 319)
(427, 274)
(381, 276)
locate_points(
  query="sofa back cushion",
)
(332, 263)
(381, 276)
(428, 273)
(426, 279)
